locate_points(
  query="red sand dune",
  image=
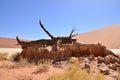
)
(108, 36)
(8, 43)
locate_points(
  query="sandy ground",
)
(13, 71)
(10, 70)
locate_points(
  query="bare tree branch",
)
(52, 37)
(73, 29)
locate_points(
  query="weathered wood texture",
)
(35, 53)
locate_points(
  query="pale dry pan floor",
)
(116, 51)
(10, 51)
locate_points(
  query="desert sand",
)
(8, 43)
(25, 71)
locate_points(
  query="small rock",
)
(112, 66)
(118, 61)
(98, 65)
(87, 65)
(103, 65)
(80, 59)
(112, 58)
(100, 59)
(91, 57)
(107, 60)
(72, 59)
(117, 65)
(58, 65)
(105, 71)
(86, 60)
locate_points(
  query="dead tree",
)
(40, 43)
(63, 39)
(33, 48)
(47, 42)
(34, 51)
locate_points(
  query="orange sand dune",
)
(8, 43)
(108, 36)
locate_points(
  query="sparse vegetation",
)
(4, 64)
(42, 68)
(118, 77)
(3, 56)
(98, 76)
(22, 63)
(25, 77)
(72, 60)
(74, 73)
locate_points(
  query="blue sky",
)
(21, 17)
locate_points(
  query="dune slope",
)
(8, 43)
(108, 36)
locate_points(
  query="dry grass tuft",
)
(25, 77)
(74, 73)
(12, 65)
(118, 77)
(98, 76)
(22, 63)
(3, 56)
(42, 68)
(4, 64)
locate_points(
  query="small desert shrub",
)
(98, 76)
(4, 64)
(22, 63)
(25, 77)
(3, 56)
(118, 77)
(42, 68)
(72, 60)
(74, 73)
(12, 65)
(118, 69)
